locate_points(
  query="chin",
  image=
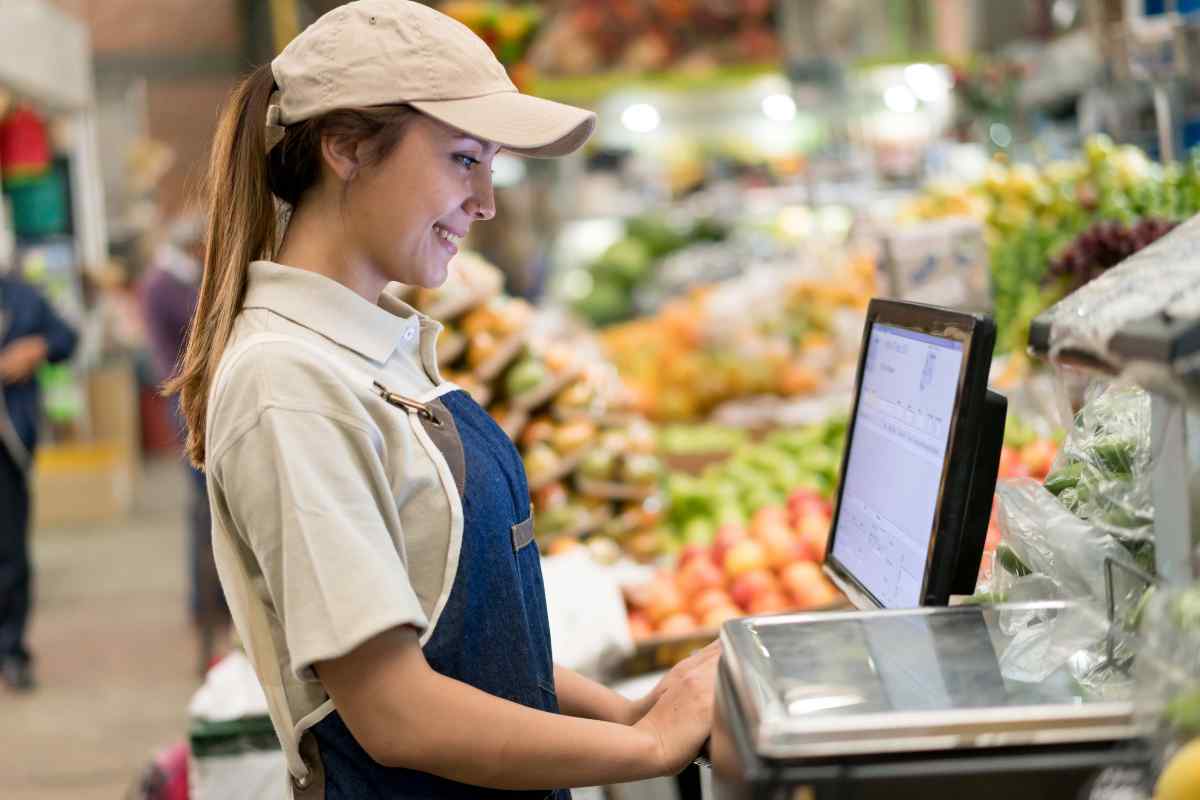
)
(433, 277)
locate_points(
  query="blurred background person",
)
(168, 293)
(31, 334)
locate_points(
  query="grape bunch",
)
(1101, 247)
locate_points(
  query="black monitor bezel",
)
(977, 333)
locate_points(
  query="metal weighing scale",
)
(899, 704)
(896, 702)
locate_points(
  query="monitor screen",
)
(896, 461)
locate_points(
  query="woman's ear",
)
(342, 156)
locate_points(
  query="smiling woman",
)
(371, 524)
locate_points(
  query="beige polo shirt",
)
(340, 513)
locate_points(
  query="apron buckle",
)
(399, 401)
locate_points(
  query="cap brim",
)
(520, 123)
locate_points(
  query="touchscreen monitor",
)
(911, 453)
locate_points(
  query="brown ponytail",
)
(241, 188)
(241, 229)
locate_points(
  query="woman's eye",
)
(466, 161)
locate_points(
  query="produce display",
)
(1032, 214)
(630, 261)
(1101, 247)
(757, 475)
(591, 472)
(704, 349)
(637, 36)
(771, 564)
(508, 28)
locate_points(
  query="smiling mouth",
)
(447, 235)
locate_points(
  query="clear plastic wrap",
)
(1163, 276)
(1086, 535)
(1168, 686)
(1103, 473)
(1096, 504)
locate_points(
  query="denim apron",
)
(493, 632)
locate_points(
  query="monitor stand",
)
(983, 489)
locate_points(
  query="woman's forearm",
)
(579, 696)
(510, 746)
(405, 714)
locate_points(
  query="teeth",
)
(447, 235)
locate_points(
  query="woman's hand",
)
(681, 715)
(639, 708)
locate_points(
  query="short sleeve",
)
(310, 496)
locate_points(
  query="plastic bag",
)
(1168, 685)
(1103, 473)
(1058, 538)
(1045, 551)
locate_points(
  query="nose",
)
(481, 205)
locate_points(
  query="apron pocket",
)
(522, 533)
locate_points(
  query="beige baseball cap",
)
(388, 52)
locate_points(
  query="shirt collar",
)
(335, 311)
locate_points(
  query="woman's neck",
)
(315, 241)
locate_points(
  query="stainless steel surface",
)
(855, 683)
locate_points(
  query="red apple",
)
(771, 602)
(745, 556)
(1038, 457)
(803, 501)
(709, 599)
(677, 624)
(726, 537)
(697, 575)
(719, 615)
(813, 543)
(1011, 465)
(639, 626)
(693, 551)
(808, 586)
(766, 518)
(748, 586)
(665, 600)
(799, 577)
(783, 547)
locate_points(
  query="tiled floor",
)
(115, 652)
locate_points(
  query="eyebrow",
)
(466, 137)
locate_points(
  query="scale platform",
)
(896, 703)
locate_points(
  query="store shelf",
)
(567, 467)
(596, 520)
(540, 395)
(452, 308)
(489, 370)
(612, 490)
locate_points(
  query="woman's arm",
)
(583, 697)
(405, 714)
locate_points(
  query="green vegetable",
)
(1115, 455)
(1065, 478)
(1011, 562)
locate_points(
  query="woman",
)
(372, 525)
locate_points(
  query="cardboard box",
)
(93, 480)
